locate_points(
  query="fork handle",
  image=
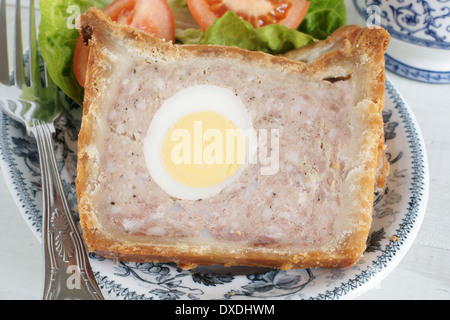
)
(67, 272)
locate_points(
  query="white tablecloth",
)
(424, 273)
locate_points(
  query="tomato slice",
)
(152, 16)
(258, 12)
(80, 61)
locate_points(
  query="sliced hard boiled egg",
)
(196, 143)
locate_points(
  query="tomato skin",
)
(80, 61)
(201, 13)
(204, 15)
(152, 16)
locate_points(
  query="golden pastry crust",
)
(362, 62)
(341, 40)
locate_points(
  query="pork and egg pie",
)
(203, 155)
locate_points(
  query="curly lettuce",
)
(323, 17)
(230, 30)
(57, 40)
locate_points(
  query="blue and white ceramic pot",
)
(420, 31)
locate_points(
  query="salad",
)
(272, 26)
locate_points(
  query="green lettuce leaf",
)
(230, 30)
(323, 17)
(57, 40)
(189, 35)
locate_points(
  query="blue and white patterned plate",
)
(397, 216)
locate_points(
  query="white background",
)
(424, 273)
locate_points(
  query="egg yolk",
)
(202, 149)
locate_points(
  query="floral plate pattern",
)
(422, 22)
(397, 216)
(420, 31)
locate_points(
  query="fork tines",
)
(19, 74)
(4, 67)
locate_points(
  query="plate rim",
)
(417, 74)
(411, 127)
(358, 284)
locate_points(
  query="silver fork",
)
(67, 272)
